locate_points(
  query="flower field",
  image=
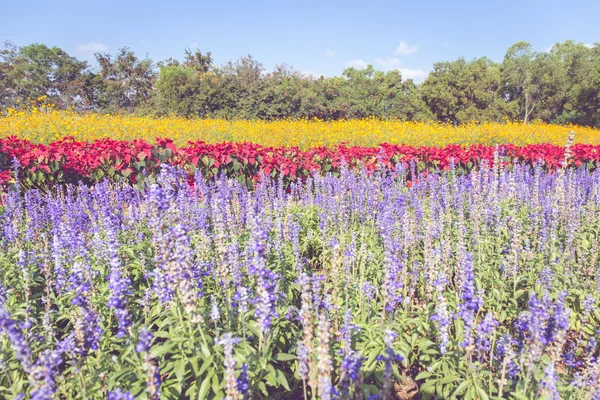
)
(46, 125)
(251, 260)
(481, 285)
(138, 162)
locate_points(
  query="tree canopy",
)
(560, 85)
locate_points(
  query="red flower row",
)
(70, 161)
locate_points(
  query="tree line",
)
(560, 85)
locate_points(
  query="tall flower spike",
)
(442, 316)
(389, 358)
(324, 365)
(231, 385)
(15, 336)
(153, 380)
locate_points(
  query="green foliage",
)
(561, 85)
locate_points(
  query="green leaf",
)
(284, 357)
(281, 378)
(423, 375)
(482, 394)
(204, 388)
(449, 379)
(461, 388)
(207, 362)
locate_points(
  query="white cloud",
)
(358, 64)
(413, 73)
(329, 53)
(407, 73)
(88, 49)
(389, 63)
(589, 45)
(405, 48)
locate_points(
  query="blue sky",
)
(320, 37)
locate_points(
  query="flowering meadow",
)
(138, 162)
(46, 124)
(303, 259)
(351, 285)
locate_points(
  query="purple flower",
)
(214, 309)
(242, 298)
(352, 361)
(470, 301)
(118, 394)
(119, 287)
(389, 358)
(546, 279)
(3, 296)
(88, 328)
(231, 383)
(118, 284)
(145, 343)
(588, 304)
(548, 382)
(303, 355)
(442, 317)
(45, 372)
(558, 325)
(485, 329)
(265, 278)
(242, 380)
(15, 336)
(369, 290)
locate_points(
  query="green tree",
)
(185, 91)
(126, 83)
(37, 70)
(240, 85)
(460, 91)
(578, 62)
(536, 81)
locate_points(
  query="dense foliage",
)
(138, 162)
(482, 285)
(561, 85)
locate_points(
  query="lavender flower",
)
(242, 380)
(470, 302)
(442, 317)
(389, 358)
(485, 330)
(324, 365)
(145, 343)
(303, 355)
(242, 298)
(558, 323)
(3, 296)
(153, 380)
(266, 281)
(352, 361)
(588, 304)
(118, 394)
(120, 289)
(44, 373)
(214, 309)
(548, 383)
(15, 336)
(87, 326)
(231, 385)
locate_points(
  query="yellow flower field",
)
(46, 125)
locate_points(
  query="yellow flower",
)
(47, 126)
